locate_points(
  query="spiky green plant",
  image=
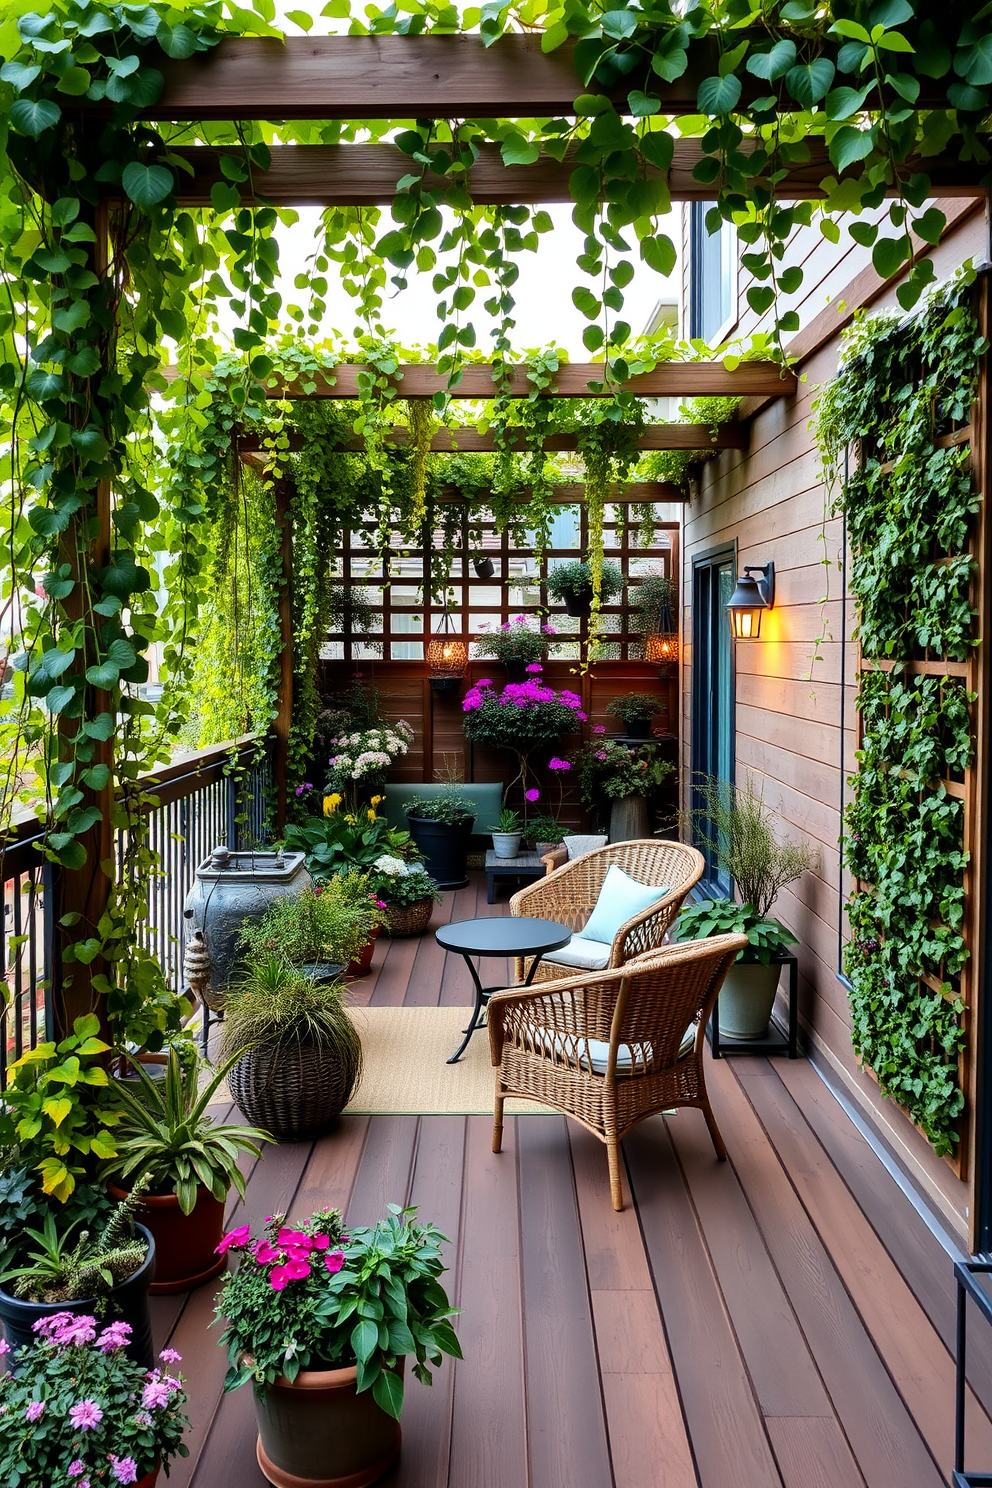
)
(60, 1270)
(275, 1006)
(168, 1135)
(737, 826)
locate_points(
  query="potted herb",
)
(295, 1053)
(625, 776)
(319, 930)
(188, 1163)
(517, 644)
(572, 584)
(738, 828)
(408, 893)
(545, 833)
(94, 1416)
(636, 710)
(441, 826)
(507, 833)
(355, 1307)
(70, 1269)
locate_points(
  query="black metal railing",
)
(216, 795)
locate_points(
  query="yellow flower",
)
(331, 804)
(377, 800)
(370, 814)
(351, 820)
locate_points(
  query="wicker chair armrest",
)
(554, 859)
(596, 986)
(664, 909)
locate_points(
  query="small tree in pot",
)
(296, 1054)
(636, 710)
(441, 826)
(738, 828)
(355, 1306)
(571, 583)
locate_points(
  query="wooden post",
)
(83, 894)
(284, 714)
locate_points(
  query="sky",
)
(545, 313)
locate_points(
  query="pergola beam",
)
(367, 174)
(407, 77)
(470, 441)
(670, 380)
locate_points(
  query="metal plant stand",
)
(776, 1041)
(966, 1274)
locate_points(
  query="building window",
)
(712, 277)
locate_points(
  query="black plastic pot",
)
(445, 847)
(516, 671)
(128, 1301)
(638, 728)
(578, 602)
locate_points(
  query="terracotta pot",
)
(149, 1480)
(319, 1432)
(362, 964)
(184, 1243)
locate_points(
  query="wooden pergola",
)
(422, 77)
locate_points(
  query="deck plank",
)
(914, 1354)
(489, 1437)
(882, 1433)
(566, 1429)
(723, 1416)
(812, 1451)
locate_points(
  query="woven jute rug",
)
(405, 1049)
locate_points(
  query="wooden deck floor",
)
(778, 1321)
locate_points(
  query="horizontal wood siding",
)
(789, 696)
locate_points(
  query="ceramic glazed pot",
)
(319, 1432)
(629, 819)
(444, 845)
(506, 844)
(184, 1243)
(747, 998)
(362, 964)
(229, 889)
(128, 1301)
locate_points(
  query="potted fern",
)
(188, 1163)
(571, 583)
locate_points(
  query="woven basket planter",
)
(295, 1092)
(408, 919)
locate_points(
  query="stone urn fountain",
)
(232, 887)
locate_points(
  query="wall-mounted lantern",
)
(447, 658)
(750, 599)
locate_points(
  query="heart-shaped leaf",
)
(32, 116)
(147, 185)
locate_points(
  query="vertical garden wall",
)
(897, 423)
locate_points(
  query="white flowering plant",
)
(359, 760)
(79, 1412)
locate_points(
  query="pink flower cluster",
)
(68, 1329)
(554, 763)
(292, 1256)
(521, 695)
(158, 1389)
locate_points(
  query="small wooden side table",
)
(525, 868)
(778, 1040)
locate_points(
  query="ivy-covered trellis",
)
(901, 408)
(110, 272)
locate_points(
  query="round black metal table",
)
(509, 936)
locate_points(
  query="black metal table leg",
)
(482, 995)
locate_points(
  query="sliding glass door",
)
(713, 689)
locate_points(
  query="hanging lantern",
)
(662, 645)
(447, 658)
(751, 597)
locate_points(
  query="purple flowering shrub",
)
(522, 717)
(79, 1412)
(307, 1296)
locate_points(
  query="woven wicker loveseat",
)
(569, 895)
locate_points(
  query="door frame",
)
(709, 558)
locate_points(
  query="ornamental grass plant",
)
(276, 1008)
(739, 829)
(308, 1296)
(80, 1413)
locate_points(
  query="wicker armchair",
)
(612, 1047)
(569, 893)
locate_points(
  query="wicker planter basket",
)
(294, 1092)
(408, 919)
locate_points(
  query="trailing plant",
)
(909, 506)
(368, 1298)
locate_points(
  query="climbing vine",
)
(909, 504)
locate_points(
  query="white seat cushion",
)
(576, 846)
(593, 1054)
(583, 954)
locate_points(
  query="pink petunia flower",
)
(233, 1240)
(265, 1253)
(85, 1414)
(35, 1410)
(170, 1356)
(334, 1261)
(278, 1277)
(321, 1242)
(297, 1268)
(298, 1239)
(125, 1469)
(155, 1394)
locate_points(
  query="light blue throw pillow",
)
(620, 898)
